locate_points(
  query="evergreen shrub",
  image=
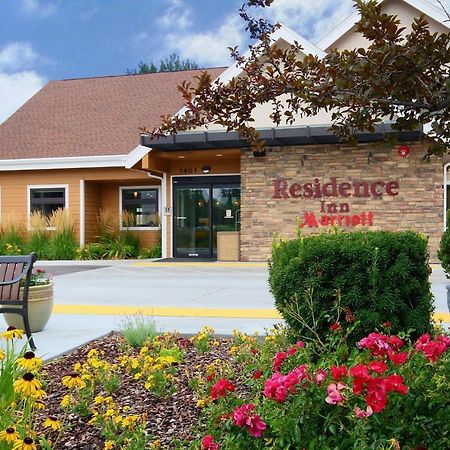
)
(372, 277)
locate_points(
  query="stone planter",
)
(40, 306)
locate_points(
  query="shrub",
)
(444, 248)
(95, 250)
(373, 277)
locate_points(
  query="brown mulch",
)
(172, 417)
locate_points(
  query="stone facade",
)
(368, 185)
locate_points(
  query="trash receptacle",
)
(228, 246)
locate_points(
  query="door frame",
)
(192, 180)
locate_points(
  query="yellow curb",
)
(167, 311)
(444, 317)
(184, 312)
(242, 265)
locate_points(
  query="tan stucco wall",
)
(418, 205)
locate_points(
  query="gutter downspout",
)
(446, 166)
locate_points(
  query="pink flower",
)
(279, 386)
(244, 417)
(361, 414)
(320, 376)
(376, 343)
(220, 388)
(300, 344)
(278, 360)
(292, 350)
(209, 444)
(432, 349)
(334, 395)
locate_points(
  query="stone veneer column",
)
(418, 205)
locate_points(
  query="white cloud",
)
(38, 7)
(177, 15)
(16, 89)
(18, 80)
(209, 48)
(311, 19)
(16, 56)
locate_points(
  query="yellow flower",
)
(216, 343)
(39, 404)
(65, 402)
(2, 354)
(126, 408)
(26, 444)
(156, 443)
(138, 376)
(99, 399)
(232, 350)
(109, 412)
(29, 361)
(12, 333)
(108, 445)
(53, 423)
(28, 385)
(92, 352)
(77, 367)
(73, 380)
(9, 435)
(129, 421)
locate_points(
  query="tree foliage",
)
(170, 64)
(401, 77)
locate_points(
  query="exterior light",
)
(403, 151)
(206, 169)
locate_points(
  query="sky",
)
(42, 40)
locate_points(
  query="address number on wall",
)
(188, 170)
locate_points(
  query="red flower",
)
(300, 344)
(220, 388)
(211, 376)
(279, 385)
(378, 366)
(335, 327)
(338, 372)
(292, 350)
(394, 383)
(244, 416)
(376, 343)
(432, 349)
(254, 351)
(387, 324)
(278, 360)
(398, 358)
(257, 375)
(209, 444)
(395, 342)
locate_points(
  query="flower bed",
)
(245, 392)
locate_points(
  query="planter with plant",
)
(40, 302)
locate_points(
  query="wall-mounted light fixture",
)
(206, 169)
(259, 153)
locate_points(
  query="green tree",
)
(402, 77)
(170, 64)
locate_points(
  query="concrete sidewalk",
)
(93, 298)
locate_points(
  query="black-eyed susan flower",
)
(65, 402)
(29, 361)
(26, 444)
(53, 423)
(73, 380)
(9, 435)
(12, 333)
(2, 354)
(28, 385)
(109, 445)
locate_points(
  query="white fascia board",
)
(423, 6)
(136, 155)
(73, 162)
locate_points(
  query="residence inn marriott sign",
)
(332, 198)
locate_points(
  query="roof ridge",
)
(140, 74)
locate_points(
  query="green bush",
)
(62, 246)
(376, 276)
(444, 248)
(138, 329)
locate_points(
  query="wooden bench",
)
(14, 269)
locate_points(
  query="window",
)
(140, 207)
(47, 199)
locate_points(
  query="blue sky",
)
(42, 40)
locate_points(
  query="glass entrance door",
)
(203, 206)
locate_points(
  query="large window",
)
(139, 207)
(47, 199)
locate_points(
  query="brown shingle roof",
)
(92, 116)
